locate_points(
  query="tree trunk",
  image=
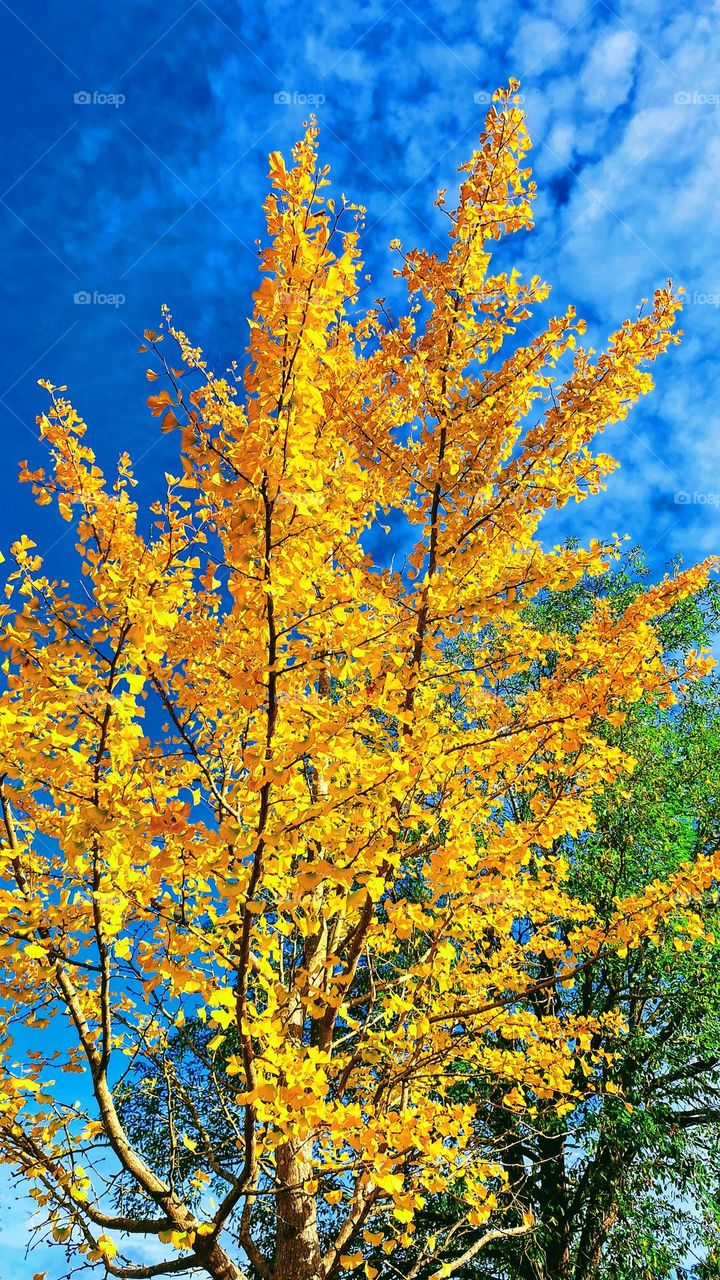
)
(297, 1251)
(612, 1161)
(297, 1243)
(217, 1263)
(553, 1182)
(592, 1242)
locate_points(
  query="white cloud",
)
(561, 146)
(607, 77)
(539, 45)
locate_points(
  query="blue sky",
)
(156, 199)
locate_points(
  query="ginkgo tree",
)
(236, 791)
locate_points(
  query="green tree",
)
(625, 1184)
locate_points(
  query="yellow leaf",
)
(169, 422)
(34, 951)
(107, 1247)
(403, 1214)
(157, 403)
(351, 1260)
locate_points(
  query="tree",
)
(231, 754)
(625, 1184)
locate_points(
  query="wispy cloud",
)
(157, 197)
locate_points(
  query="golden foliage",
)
(245, 778)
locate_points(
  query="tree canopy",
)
(237, 789)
